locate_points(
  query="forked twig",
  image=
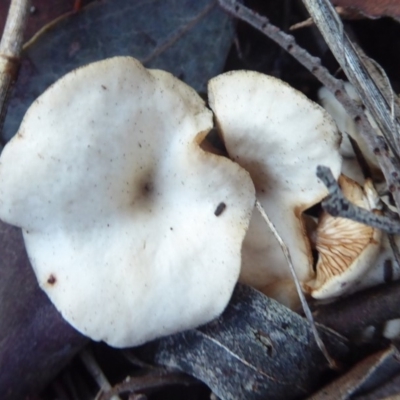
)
(338, 206)
(153, 380)
(96, 372)
(10, 49)
(303, 300)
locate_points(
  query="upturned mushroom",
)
(346, 249)
(279, 136)
(133, 231)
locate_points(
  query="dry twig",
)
(151, 381)
(338, 206)
(303, 300)
(10, 49)
(96, 372)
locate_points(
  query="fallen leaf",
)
(371, 8)
(257, 349)
(35, 341)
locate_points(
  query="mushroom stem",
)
(304, 304)
(338, 206)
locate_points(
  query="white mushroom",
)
(348, 128)
(133, 231)
(279, 136)
(347, 249)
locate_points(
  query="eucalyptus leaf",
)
(35, 341)
(258, 349)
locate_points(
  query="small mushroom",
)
(347, 249)
(279, 136)
(134, 232)
(348, 128)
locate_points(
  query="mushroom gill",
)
(346, 248)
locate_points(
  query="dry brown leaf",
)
(371, 8)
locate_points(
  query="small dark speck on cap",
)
(51, 280)
(220, 209)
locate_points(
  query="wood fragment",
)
(10, 49)
(96, 372)
(153, 380)
(366, 374)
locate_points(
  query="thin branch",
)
(95, 371)
(152, 381)
(10, 49)
(336, 86)
(303, 300)
(338, 206)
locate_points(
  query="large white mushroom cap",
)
(280, 137)
(133, 231)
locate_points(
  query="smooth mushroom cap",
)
(279, 136)
(347, 249)
(133, 231)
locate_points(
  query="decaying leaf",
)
(257, 349)
(372, 8)
(35, 341)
